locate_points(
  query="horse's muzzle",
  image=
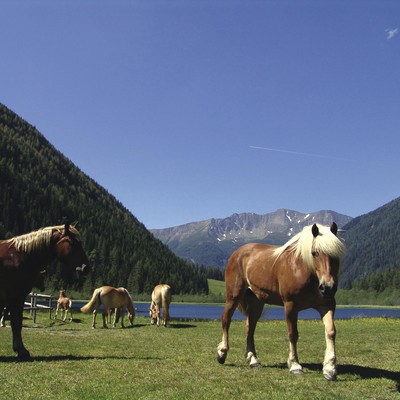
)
(327, 291)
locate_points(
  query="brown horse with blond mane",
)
(160, 298)
(111, 297)
(21, 260)
(303, 273)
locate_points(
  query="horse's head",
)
(39, 281)
(131, 317)
(327, 251)
(69, 250)
(153, 314)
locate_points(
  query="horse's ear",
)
(75, 225)
(334, 228)
(315, 230)
(66, 228)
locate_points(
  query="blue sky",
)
(188, 110)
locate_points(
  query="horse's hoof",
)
(329, 376)
(220, 359)
(24, 356)
(297, 372)
(255, 365)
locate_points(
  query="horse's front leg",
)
(16, 325)
(158, 316)
(329, 368)
(123, 311)
(293, 334)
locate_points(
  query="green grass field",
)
(71, 360)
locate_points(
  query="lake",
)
(212, 311)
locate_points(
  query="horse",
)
(301, 274)
(160, 298)
(110, 297)
(64, 304)
(21, 260)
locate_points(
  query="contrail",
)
(298, 153)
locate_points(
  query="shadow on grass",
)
(182, 326)
(13, 359)
(360, 371)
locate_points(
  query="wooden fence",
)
(32, 304)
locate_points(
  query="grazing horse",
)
(303, 273)
(64, 304)
(110, 297)
(21, 260)
(160, 298)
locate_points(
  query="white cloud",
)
(391, 33)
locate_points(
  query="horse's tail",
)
(92, 302)
(166, 300)
(131, 305)
(70, 303)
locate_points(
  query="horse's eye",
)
(314, 253)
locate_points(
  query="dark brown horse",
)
(303, 273)
(21, 260)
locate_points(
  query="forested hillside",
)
(372, 243)
(40, 187)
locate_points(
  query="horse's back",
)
(160, 292)
(114, 297)
(249, 255)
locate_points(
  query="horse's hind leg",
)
(254, 308)
(94, 318)
(226, 318)
(291, 320)
(235, 287)
(105, 315)
(165, 315)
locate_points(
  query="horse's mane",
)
(302, 245)
(34, 241)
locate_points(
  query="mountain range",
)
(371, 240)
(212, 241)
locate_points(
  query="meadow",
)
(72, 360)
